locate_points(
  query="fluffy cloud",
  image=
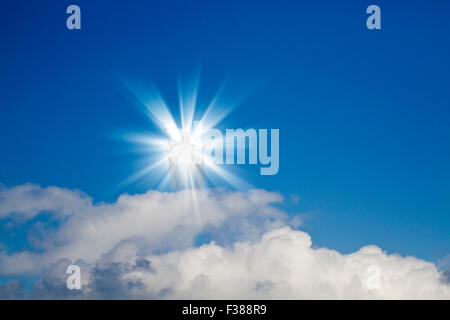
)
(142, 246)
(28, 200)
(156, 220)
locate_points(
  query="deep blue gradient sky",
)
(363, 115)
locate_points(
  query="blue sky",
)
(363, 115)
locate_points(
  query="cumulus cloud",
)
(142, 246)
(158, 221)
(283, 265)
(28, 200)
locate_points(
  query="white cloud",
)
(28, 200)
(161, 221)
(141, 246)
(283, 265)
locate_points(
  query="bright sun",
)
(178, 158)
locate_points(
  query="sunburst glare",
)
(178, 157)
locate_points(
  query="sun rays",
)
(174, 153)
